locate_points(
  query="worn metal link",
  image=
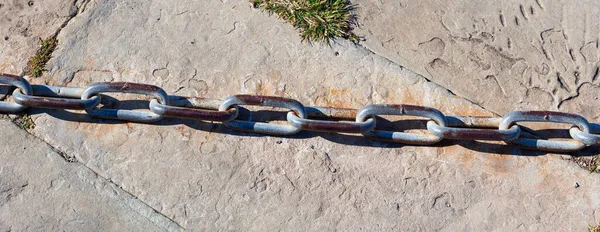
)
(331, 126)
(193, 108)
(20, 83)
(546, 116)
(125, 87)
(300, 117)
(474, 129)
(261, 127)
(55, 97)
(591, 138)
(371, 111)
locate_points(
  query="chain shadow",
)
(345, 139)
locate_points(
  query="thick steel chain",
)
(300, 117)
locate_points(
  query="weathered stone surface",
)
(205, 177)
(22, 26)
(522, 54)
(39, 190)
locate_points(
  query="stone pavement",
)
(526, 54)
(180, 174)
(40, 191)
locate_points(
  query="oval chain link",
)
(591, 138)
(546, 116)
(125, 87)
(331, 126)
(371, 111)
(475, 129)
(20, 83)
(262, 127)
(193, 108)
(55, 97)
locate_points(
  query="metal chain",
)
(300, 117)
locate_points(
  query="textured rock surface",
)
(524, 54)
(205, 177)
(22, 26)
(39, 190)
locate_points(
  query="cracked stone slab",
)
(39, 190)
(23, 24)
(531, 55)
(205, 177)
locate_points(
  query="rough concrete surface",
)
(204, 177)
(39, 190)
(533, 54)
(23, 24)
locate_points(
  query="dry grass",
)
(37, 64)
(591, 164)
(594, 228)
(25, 122)
(317, 20)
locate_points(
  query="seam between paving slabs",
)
(32, 65)
(426, 79)
(533, 132)
(169, 224)
(72, 159)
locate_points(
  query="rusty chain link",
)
(300, 117)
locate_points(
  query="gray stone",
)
(205, 177)
(39, 190)
(23, 24)
(531, 55)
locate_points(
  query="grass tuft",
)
(37, 64)
(317, 20)
(594, 228)
(592, 164)
(25, 122)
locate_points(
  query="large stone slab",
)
(24, 23)
(39, 190)
(206, 177)
(503, 55)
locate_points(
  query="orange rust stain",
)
(181, 129)
(92, 130)
(499, 164)
(476, 112)
(468, 157)
(129, 127)
(408, 98)
(272, 85)
(89, 62)
(542, 172)
(494, 164)
(339, 98)
(465, 156)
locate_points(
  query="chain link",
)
(546, 116)
(260, 127)
(55, 97)
(371, 111)
(20, 83)
(125, 87)
(300, 117)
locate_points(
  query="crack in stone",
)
(427, 79)
(78, 10)
(68, 159)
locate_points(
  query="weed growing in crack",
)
(37, 63)
(594, 228)
(317, 20)
(25, 122)
(592, 164)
